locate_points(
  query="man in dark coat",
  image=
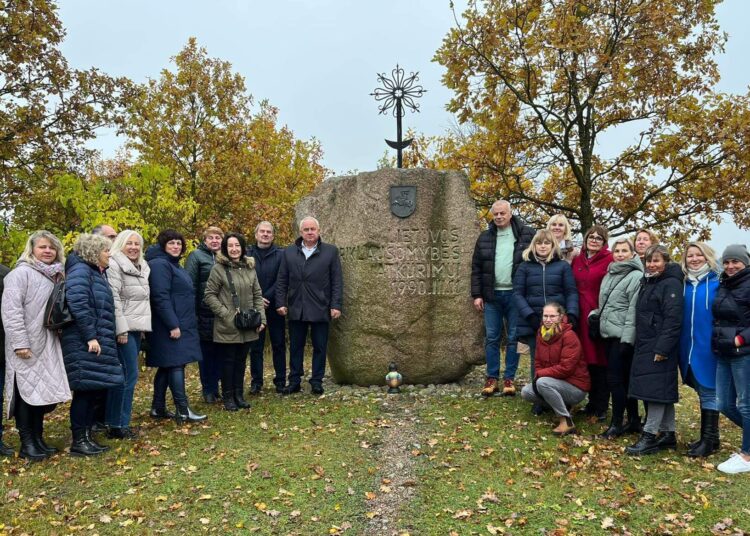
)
(267, 257)
(497, 254)
(309, 292)
(5, 450)
(198, 266)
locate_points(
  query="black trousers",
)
(233, 364)
(276, 329)
(599, 394)
(83, 408)
(619, 362)
(174, 378)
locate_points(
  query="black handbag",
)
(595, 331)
(56, 312)
(243, 320)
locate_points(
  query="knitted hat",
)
(737, 252)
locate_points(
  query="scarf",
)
(697, 275)
(548, 333)
(50, 270)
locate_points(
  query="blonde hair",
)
(123, 237)
(561, 218)
(28, 250)
(651, 235)
(542, 234)
(707, 252)
(212, 230)
(90, 246)
(623, 240)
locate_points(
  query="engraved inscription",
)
(415, 261)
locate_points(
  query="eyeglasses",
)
(595, 238)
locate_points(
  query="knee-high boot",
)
(38, 431)
(709, 440)
(25, 423)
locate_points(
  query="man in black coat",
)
(309, 292)
(267, 257)
(497, 254)
(5, 450)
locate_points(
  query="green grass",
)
(304, 465)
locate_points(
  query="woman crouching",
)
(562, 379)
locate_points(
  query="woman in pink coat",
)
(35, 378)
(589, 268)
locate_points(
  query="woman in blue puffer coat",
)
(173, 341)
(543, 277)
(88, 344)
(697, 360)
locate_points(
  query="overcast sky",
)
(316, 60)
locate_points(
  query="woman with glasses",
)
(589, 269)
(561, 378)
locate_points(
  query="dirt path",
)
(397, 479)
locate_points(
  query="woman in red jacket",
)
(589, 268)
(562, 379)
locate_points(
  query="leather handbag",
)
(243, 320)
(56, 313)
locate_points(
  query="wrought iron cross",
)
(398, 92)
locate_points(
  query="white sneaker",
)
(735, 464)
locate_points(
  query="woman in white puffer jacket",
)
(128, 277)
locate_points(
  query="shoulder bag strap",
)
(235, 298)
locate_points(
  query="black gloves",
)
(534, 321)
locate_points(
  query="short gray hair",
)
(89, 247)
(502, 202)
(311, 218)
(264, 222)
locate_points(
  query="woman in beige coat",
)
(128, 278)
(35, 378)
(234, 343)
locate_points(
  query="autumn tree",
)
(228, 155)
(544, 88)
(47, 110)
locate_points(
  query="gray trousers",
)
(557, 394)
(660, 418)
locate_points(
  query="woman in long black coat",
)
(88, 344)
(653, 375)
(174, 341)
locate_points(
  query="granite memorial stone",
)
(406, 239)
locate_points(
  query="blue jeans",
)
(174, 378)
(733, 393)
(120, 399)
(501, 310)
(297, 337)
(706, 395)
(276, 329)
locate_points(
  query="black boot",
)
(186, 415)
(667, 440)
(81, 446)
(240, 399)
(38, 429)
(709, 441)
(98, 446)
(230, 403)
(695, 443)
(161, 413)
(646, 444)
(633, 425)
(25, 424)
(615, 430)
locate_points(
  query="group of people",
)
(118, 297)
(617, 324)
